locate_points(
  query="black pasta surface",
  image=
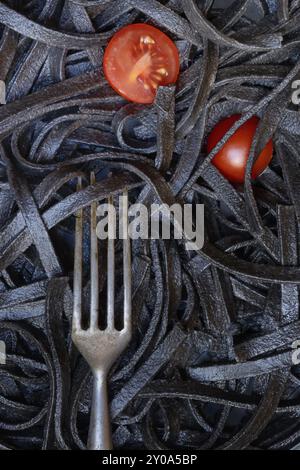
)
(210, 363)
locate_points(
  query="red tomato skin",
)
(231, 160)
(116, 76)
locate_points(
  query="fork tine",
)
(77, 304)
(110, 268)
(94, 307)
(126, 263)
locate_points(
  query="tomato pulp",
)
(138, 59)
(231, 160)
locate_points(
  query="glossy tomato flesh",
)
(138, 59)
(231, 160)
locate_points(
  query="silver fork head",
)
(101, 348)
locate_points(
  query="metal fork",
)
(101, 348)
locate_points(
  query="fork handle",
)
(100, 430)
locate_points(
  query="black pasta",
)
(213, 330)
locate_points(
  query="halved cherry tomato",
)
(138, 59)
(231, 160)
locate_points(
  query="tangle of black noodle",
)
(213, 330)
